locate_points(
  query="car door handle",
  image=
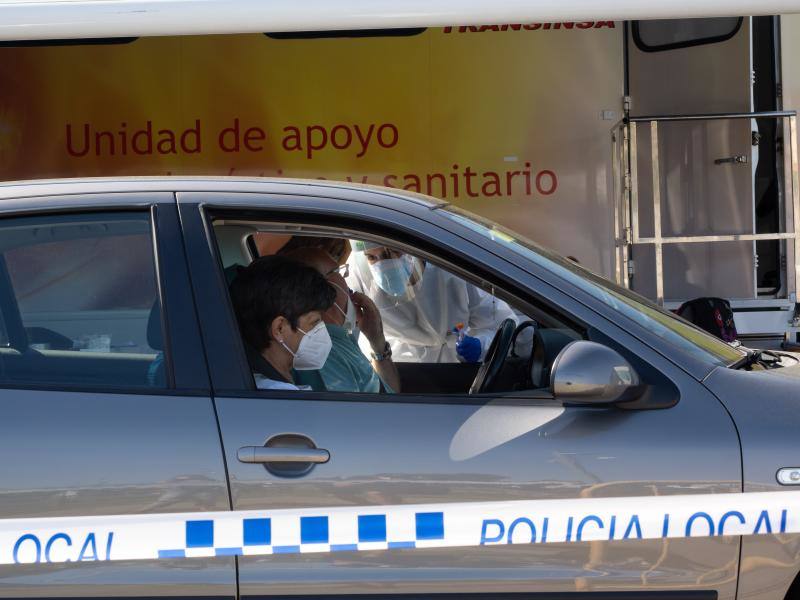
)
(739, 159)
(263, 455)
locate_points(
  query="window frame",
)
(230, 372)
(185, 372)
(641, 45)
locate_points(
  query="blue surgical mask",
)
(392, 274)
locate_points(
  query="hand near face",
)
(369, 320)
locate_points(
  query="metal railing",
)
(626, 197)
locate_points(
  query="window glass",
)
(83, 289)
(671, 329)
(379, 318)
(668, 34)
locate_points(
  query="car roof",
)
(99, 185)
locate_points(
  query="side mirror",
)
(590, 373)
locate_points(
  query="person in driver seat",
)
(421, 305)
(279, 304)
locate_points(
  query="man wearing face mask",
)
(429, 314)
(347, 369)
(279, 304)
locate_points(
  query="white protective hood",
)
(66, 19)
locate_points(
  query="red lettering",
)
(601, 24)
(364, 141)
(98, 138)
(411, 183)
(395, 134)
(70, 149)
(553, 182)
(191, 136)
(430, 178)
(145, 134)
(226, 133)
(510, 181)
(293, 136)
(468, 175)
(349, 137)
(310, 143)
(491, 187)
(253, 135)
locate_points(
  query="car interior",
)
(68, 313)
(517, 361)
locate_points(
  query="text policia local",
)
(625, 527)
(310, 141)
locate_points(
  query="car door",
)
(399, 450)
(104, 394)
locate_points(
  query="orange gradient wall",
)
(506, 121)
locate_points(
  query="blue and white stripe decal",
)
(350, 529)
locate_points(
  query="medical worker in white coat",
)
(421, 305)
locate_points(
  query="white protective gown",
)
(419, 325)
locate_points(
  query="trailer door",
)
(705, 167)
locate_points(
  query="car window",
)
(670, 328)
(398, 321)
(82, 291)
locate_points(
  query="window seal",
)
(166, 338)
(641, 45)
(528, 398)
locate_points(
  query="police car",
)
(602, 447)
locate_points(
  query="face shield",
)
(390, 277)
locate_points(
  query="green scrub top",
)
(346, 370)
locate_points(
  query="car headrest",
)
(155, 337)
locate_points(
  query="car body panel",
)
(766, 408)
(384, 451)
(93, 452)
(395, 452)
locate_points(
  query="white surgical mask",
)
(350, 313)
(313, 350)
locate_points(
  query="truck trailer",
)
(661, 154)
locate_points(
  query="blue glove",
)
(469, 348)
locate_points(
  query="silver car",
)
(128, 398)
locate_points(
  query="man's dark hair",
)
(333, 246)
(274, 286)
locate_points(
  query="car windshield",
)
(670, 328)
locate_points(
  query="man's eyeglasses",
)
(343, 270)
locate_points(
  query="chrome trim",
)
(657, 213)
(795, 203)
(261, 454)
(734, 237)
(788, 476)
(634, 165)
(774, 114)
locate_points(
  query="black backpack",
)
(713, 315)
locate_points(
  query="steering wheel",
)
(495, 357)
